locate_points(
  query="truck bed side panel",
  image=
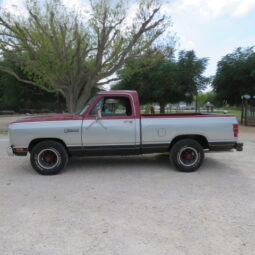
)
(159, 131)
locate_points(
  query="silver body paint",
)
(22, 134)
(109, 132)
(122, 131)
(164, 130)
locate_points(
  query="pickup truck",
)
(111, 124)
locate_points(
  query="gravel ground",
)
(130, 205)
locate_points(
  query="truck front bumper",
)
(9, 150)
(18, 151)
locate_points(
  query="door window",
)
(113, 106)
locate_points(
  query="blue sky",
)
(213, 28)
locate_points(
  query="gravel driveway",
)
(130, 205)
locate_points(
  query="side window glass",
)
(96, 107)
(113, 106)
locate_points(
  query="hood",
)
(50, 117)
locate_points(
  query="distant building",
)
(209, 107)
(181, 106)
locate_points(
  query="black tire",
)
(187, 155)
(48, 157)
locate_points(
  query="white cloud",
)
(189, 44)
(244, 8)
(77, 5)
(131, 13)
(209, 9)
(16, 7)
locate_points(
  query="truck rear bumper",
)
(238, 146)
(225, 146)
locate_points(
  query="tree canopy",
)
(17, 96)
(204, 97)
(235, 76)
(168, 81)
(63, 51)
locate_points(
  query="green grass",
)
(3, 132)
(237, 113)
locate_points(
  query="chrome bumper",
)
(10, 151)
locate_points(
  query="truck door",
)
(110, 127)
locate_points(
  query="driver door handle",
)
(128, 121)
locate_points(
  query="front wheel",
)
(187, 155)
(48, 157)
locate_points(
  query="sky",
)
(213, 28)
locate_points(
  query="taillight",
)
(235, 130)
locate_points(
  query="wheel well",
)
(38, 140)
(199, 138)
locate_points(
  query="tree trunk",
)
(58, 107)
(242, 110)
(76, 102)
(70, 102)
(196, 98)
(82, 101)
(162, 107)
(85, 96)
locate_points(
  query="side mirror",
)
(98, 113)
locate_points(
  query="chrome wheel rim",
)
(188, 156)
(48, 158)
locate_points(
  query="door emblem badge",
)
(71, 130)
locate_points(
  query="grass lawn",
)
(237, 113)
(3, 132)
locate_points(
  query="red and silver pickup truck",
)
(111, 124)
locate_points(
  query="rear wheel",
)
(187, 155)
(48, 157)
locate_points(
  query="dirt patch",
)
(247, 133)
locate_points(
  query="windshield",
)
(87, 105)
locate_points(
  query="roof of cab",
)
(117, 91)
(132, 93)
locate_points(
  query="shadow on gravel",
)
(133, 163)
(145, 163)
(138, 163)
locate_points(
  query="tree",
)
(169, 81)
(14, 95)
(63, 51)
(191, 69)
(204, 97)
(235, 76)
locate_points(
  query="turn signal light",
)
(19, 149)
